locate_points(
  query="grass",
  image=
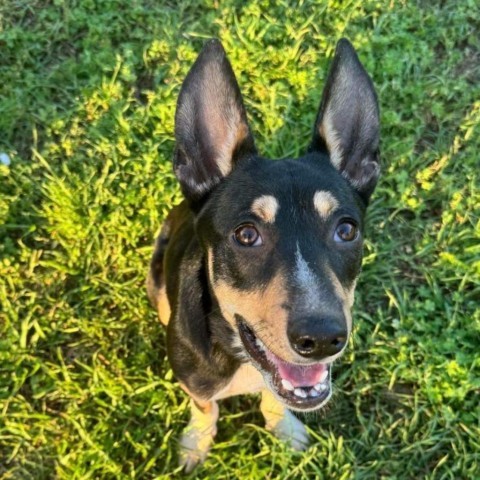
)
(87, 99)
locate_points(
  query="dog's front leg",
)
(282, 423)
(198, 435)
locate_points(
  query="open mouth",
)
(299, 387)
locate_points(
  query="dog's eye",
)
(346, 231)
(248, 236)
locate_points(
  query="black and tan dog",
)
(254, 272)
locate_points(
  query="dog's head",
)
(282, 239)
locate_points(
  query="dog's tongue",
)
(298, 375)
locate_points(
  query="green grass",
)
(87, 99)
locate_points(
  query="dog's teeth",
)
(313, 393)
(324, 376)
(300, 393)
(320, 387)
(287, 385)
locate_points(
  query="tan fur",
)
(262, 309)
(247, 379)
(197, 437)
(325, 203)
(345, 295)
(163, 306)
(265, 207)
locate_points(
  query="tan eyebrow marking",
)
(265, 207)
(325, 203)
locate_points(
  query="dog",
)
(253, 274)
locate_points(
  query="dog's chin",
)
(298, 387)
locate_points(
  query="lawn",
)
(87, 100)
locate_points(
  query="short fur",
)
(271, 314)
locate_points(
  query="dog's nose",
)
(317, 338)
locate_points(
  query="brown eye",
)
(248, 236)
(346, 231)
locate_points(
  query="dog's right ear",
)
(211, 129)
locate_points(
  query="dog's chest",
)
(247, 379)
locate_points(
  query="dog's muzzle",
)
(298, 386)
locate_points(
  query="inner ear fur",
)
(347, 124)
(211, 128)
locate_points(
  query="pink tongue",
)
(298, 375)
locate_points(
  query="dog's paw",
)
(194, 446)
(197, 438)
(292, 431)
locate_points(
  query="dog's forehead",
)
(271, 189)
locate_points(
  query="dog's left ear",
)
(347, 125)
(211, 129)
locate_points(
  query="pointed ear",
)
(211, 129)
(347, 125)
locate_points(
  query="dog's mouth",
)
(299, 387)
